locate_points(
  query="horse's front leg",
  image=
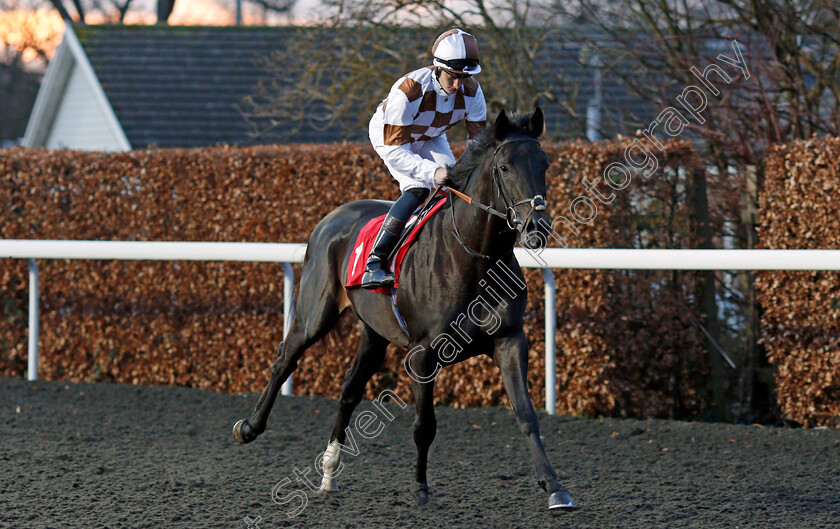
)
(511, 355)
(422, 371)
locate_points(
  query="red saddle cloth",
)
(364, 244)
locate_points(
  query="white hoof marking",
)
(332, 468)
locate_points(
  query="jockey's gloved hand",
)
(441, 174)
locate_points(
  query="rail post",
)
(550, 353)
(288, 308)
(32, 353)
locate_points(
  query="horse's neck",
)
(483, 232)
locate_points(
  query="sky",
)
(30, 29)
(215, 12)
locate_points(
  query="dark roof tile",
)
(174, 86)
(180, 86)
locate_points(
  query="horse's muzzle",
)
(536, 232)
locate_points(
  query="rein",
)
(537, 203)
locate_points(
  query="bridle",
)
(513, 221)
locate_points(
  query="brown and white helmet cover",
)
(456, 51)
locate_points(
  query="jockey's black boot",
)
(376, 270)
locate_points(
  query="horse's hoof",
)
(328, 487)
(242, 432)
(329, 483)
(421, 494)
(561, 500)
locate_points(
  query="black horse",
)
(461, 293)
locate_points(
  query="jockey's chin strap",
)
(537, 203)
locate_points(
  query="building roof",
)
(18, 88)
(182, 86)
(173, 86)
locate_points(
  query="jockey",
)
(408, 131)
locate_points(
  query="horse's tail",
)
(345, 327)
(339, 335)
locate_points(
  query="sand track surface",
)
(107, 455)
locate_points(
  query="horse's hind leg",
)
(316, 314)
(369, 358)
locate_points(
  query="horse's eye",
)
(503, 169)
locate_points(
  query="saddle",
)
(366, 237)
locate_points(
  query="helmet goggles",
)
(466, 66)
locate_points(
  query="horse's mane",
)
(478, 149)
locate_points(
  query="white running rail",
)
(288, 253)
(285, 253)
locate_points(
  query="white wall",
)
(80, 122)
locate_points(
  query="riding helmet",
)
(456, 51)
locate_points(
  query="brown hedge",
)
(801, 310)
(624, 340)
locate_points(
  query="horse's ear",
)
(500, 128)
(536, 125)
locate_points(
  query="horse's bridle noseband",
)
(538, 202)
